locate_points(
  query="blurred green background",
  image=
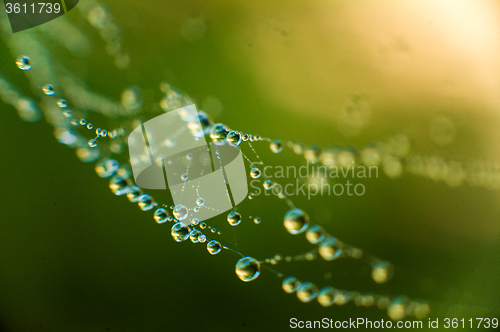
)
(73, 257)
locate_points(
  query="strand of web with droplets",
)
(145, 202)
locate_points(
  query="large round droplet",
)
(326, 296)
(218, 133)
(296, 221)
(234, 218)
(180, 212)
(200, 201)
(214, 247)
(255, 173)
(267, 184)
(276, 146)
(382, 271)
(180, 232)
(233, 138)
(161, 215)
(146, 202)
(49, 90)
(307, 291)
(247, 269)
(290, 284)
(315, 234)
(330, 248)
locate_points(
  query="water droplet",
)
(267, 184)
(161, 215)
(296, 221)
(146, 202)
(312, 153)
(200, 201)
(119, 185)
(90, 126)
(131, 97)
(169, 142)
(83, 122)
(298, 148)
(202, 238)
(256, 220)
(205, 122)
(370, 156)
(104, 133)
(233, 138)
(218, 133)
(347, 157)
(393, 167)
(203, 225)
(107, 168)
(315, 234)
(397, 308)
(92, 143)
(195, 221)
(382, 271)
(189, 157)
(214, 247)
(24, 63)
(134, 193)
(67, 113)
(234, 218)
(421, 310)
(307, 291)
(276, 146)
(194, 235)
(247, 269)
(290, 284)
(342, 297)
(213, 230)
(326, 296)
(180, 232)
(330, 248)
(62, 103)
(196, 209)
(180, 212)
(255, 172)
(48, 89)
(184, 177)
